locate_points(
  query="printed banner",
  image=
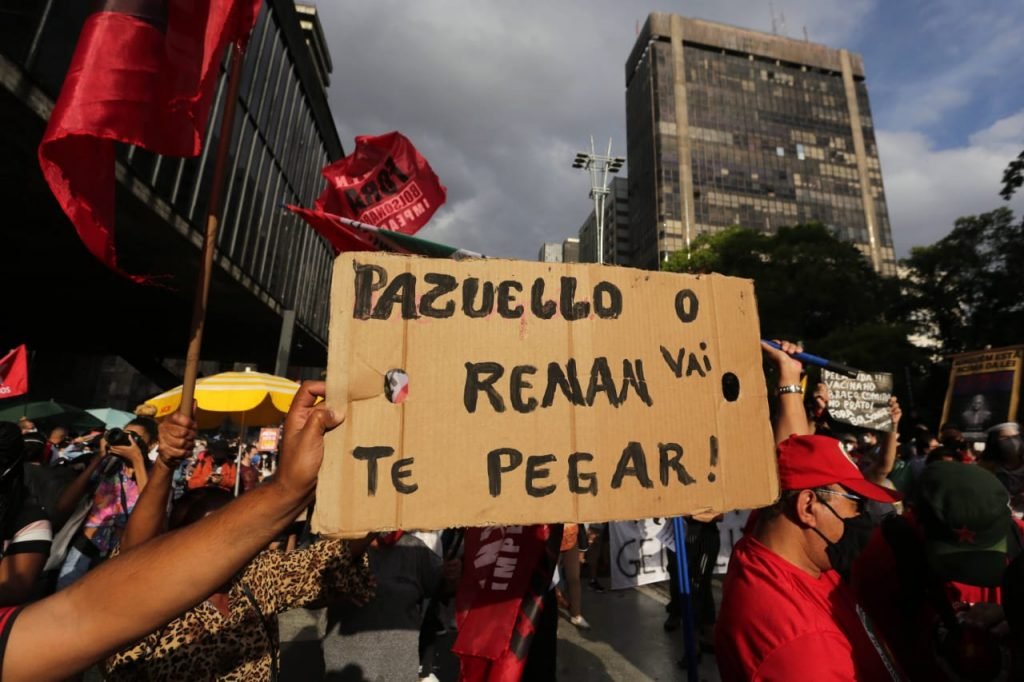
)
(730, 530)
(268, 440)
(984, 389)
(637, 554)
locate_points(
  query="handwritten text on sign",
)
(863, 401)
(513, 392)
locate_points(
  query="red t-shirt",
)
(780, 623)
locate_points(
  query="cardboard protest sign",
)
(485, 392)
(863, 401)
(984, 388)
(637, 555)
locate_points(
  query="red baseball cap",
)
(808, 462)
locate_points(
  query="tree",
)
(1013, 177)
(814, 288)
(968, 288)
(809, 284)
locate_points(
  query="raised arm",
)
(150, 585)
(177, 435)
(75, 490)
(888, 446)
(791, 417)
(133, 456)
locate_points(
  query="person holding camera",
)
(132, 594)
(116, 476)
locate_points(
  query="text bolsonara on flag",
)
(500, 600)
(345, 234)
(143, 73)
(385, 182)
(14, 373)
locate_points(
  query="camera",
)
(117, 436)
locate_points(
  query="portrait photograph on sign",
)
(485, 392)
(984, 390)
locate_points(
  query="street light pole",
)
(600, 166)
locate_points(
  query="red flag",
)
(143, 74)
(385, 182)
(507, 573)
(14, 373)
(342, 237)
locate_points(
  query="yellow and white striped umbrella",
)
(247, 398)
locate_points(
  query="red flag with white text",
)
(384, 182)
(143, 73)
(507, 572)
(14, 373)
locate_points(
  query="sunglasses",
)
(861, 502)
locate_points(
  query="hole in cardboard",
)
(730, 387)
(396, 385)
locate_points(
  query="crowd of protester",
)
(891, 555)
(880, 560)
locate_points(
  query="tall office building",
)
(616, 228)
(550, 252)
(571, 250)
(727, 126)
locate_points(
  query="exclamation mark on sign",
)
(713, 445)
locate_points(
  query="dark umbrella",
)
(52, 413)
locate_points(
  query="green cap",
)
(965, 512)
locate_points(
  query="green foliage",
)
(1013, 177)
(968, 288)
(813, 288)
(810, 287)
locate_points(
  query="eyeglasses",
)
(861, 502)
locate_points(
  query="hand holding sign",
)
(895, 413)
(302, 450)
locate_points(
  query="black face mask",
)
(843, 552)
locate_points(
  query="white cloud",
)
(1009, 130)
(928, 188)
(499, 96)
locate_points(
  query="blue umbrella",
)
(114, 419)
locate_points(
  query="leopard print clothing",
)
(205, 645)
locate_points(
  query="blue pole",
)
(818, 361)
(683, 578)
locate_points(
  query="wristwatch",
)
(790, 388)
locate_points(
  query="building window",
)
(800, 152)
(780, 151)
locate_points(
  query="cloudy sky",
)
(500, 95)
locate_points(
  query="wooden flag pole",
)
(195, 342)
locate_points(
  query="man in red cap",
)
(786, 612)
